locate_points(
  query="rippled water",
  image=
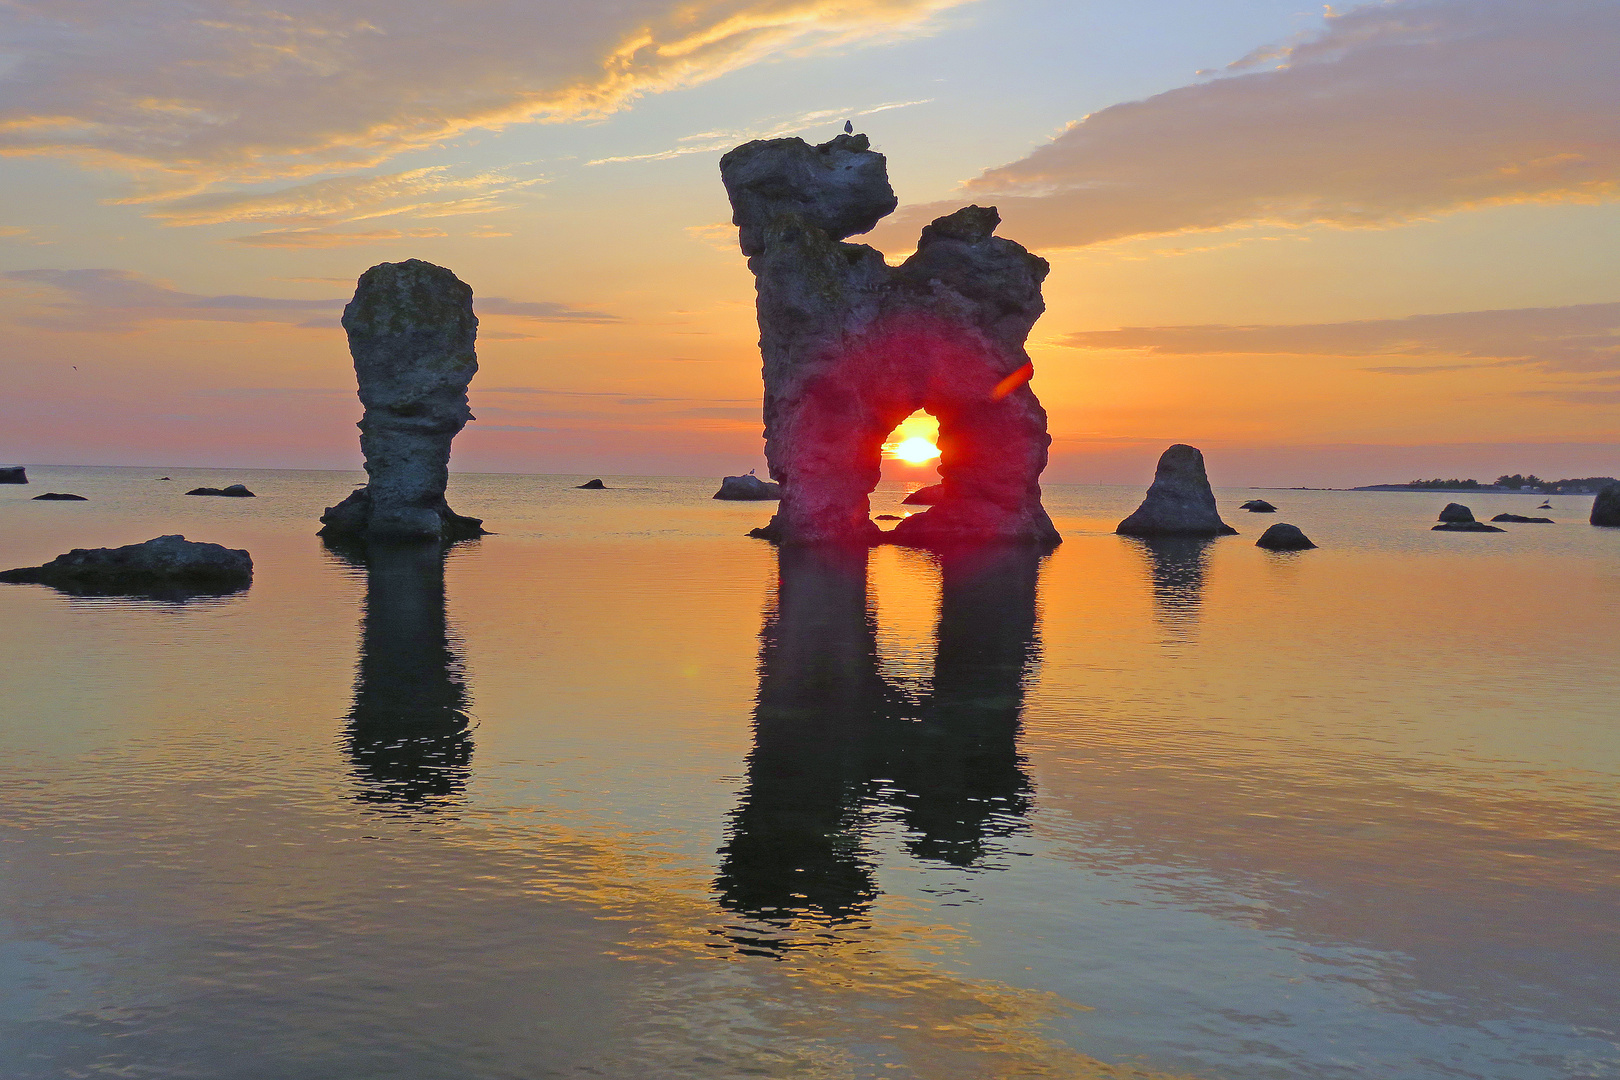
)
(618, 792)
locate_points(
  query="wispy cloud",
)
(119, 301)
(1574, 339)
(1395, 112)
(708, 142)
(317, 238)
(222, 91)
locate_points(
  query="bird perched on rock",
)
(849, 127)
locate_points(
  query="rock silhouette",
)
(1283, 537)
(591, 485)
(407, 736)
(852, 346)
(1465, 526)
(925, 496)
(234, 491)
(1456, 513)
(1180, 501)
(833, 741)
(1606, 507)
(1258, 506)
(164, 562)
(59, 496)
(1520, 519)
(13, 474)
(411, 332)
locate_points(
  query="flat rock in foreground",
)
(165, 561)
(1180, 502)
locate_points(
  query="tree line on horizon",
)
(1586, 485)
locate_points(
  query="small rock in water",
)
(925, 496)
(747, 487)
(591, 485)
(1465, 526)
(59, 496)
(165, 478)
(1180, 502)
(888, 517)
(1606, 507)
(13, 474)
(163, 561)
(1545, 506)
(1455, 512)
(234, 491)
(1258, 506)
(1281, 537)
(1520, 519)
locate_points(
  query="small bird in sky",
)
(849, 127)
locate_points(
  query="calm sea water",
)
(618, 792)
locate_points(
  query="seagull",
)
(849, 128)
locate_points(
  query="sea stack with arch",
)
(852, 346)
(411, 332)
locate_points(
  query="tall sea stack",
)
(852, 346)
(1180, 501)
(411, 332)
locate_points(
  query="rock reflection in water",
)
(407, 734)
(1176, 568)
(837, 748)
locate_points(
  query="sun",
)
(915, 450)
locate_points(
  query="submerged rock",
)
(163, 561)
(13, 474)
(925, 496)
(234, 491)
(747, 487)
(1606, 507)
(852, 346)
(1465, 526)
(1456, 512)
(1258, 506)
(1180, 502)
(1520, 519)
(411, 332)
(59, 496)
(591, 485)
(1281, 537)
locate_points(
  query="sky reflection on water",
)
(617, 789)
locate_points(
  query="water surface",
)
(620, 792)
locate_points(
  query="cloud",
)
(1575, 339)
(304, 239)
(433, 191)
(217, 91)
(119, 301)
(1394, 112)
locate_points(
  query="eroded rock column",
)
(851, 346)
(411, 332)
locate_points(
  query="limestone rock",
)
(925, 496)
(591, 485)
(163, 561)
(1606, 507)
(852, 346)
(13, 474)
(1465, 526)
(411, 332)
(747, 487)
(1180, 501)
(1456, 512)
(59, 496)
(1258, 506)
(888, 517)
(1520, 519)
(1281, 537)
(233, 491)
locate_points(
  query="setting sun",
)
(916, 450)
(914, 440)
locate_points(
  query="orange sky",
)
(1334, 250)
